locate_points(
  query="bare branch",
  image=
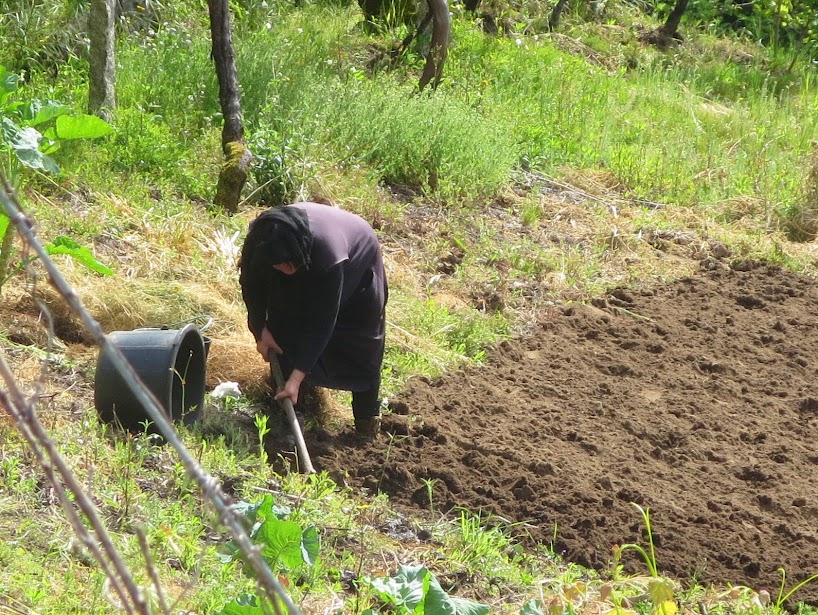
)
(209, 486)
(146, 553)
(50, 460)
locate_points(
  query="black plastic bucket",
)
(171, 363)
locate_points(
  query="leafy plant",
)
(21, 121)
(262, 429)
(414, 590)
(284, 544)
(279, 174)
(659, 590)
(23, 143)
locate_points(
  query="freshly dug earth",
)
(697, 400)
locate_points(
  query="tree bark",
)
(556, 13)
(102, 78)
(233, 174)
(439, 48)
(671, 27)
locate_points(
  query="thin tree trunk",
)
(102, 78)
(671, 26)
(233, 174)
(413, 35)
(433, 71)
(554, 20)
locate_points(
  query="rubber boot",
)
(368, 429)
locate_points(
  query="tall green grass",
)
(657, 133)
(312, 88)
(310, 98)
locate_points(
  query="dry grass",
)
(803, 226)
(234, 359)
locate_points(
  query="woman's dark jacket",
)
(328, 319)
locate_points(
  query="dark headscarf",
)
(278, 235)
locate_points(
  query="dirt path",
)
(698, 400)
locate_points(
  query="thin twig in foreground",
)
(208, 485)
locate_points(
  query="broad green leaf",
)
(41, 161)
(407, 588)
(461, 606)
(38, 112)
(310, 543)
(9, 130)
(8, 83)
(34, 158)
(26, 138)
(250, 511)
(245, 508)
(263, 509)
(438, 602)
(660, 591)
(26, 143)
(49, 146)
(4, 224)
(417, 589)
(532, 607)
(246, 604)
(81, 127)
(271, 509)
(81, 254)
(280, 542)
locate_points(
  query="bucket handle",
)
(208, 321)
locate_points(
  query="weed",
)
(481, 542)
(262, 429)
(783, 596)
(531, 213)
(648, 556)
(430, 483)
(279, 173)
(801, 221)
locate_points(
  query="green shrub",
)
(432, 143)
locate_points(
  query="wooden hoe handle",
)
(304, 461)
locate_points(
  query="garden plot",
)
(697, 399)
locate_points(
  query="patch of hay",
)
(235, 359)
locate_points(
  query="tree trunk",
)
(433, 71)
(371, 9)
(233, 174)
(102, 77)
(671, 27)
(554, 20)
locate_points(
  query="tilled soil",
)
(697, 400)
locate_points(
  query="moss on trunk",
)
(232, 176)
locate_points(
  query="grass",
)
(545, 168)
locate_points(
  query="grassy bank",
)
(545, 168)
